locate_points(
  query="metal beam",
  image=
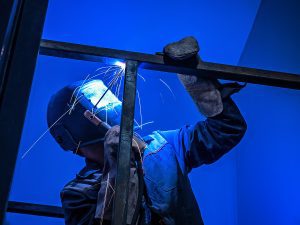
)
(35, 209)
(125, 143)
(158, 62)
(10, 12)
(16, 88)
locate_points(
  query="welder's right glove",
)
(204, 91)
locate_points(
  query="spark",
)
(137, 123)
(77, 147)
(106, 73)
(78, 88)
(104, 67)
(105, 195)
(98, 74)
(118, 94)
(43, 134)
(86, 80)
(116, 87)
(110, 86)
(115, 110)
(143, 78)
(142, 125)
(138, 147)
(72, 107)
(76, 101)
(105, 114)
(140, 107)
(168, 87)
(112, 194)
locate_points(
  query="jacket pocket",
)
(161, 168)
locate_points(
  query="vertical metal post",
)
(16, 86)
(9, 11)
(125, 143)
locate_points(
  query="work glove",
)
(204, 91)
(107, 189)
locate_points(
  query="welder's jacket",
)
(167, 160)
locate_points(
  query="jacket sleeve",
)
(78, 208)
(206, 141)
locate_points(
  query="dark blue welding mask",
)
(80, 114)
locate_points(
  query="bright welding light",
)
(93, 91)
(120, 64)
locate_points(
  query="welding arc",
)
(108, 88)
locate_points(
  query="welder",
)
(159, 187)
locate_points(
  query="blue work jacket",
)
(167, 161)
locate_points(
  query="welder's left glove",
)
(107, 192)
(204, 92)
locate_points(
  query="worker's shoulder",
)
(161, 137)
(87, 181)
(157, 140)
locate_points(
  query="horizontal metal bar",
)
(158, 62)
(35, 209)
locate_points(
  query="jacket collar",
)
(89, 169)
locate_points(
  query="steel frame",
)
(22, 30)
(160, 63)
(23, 46)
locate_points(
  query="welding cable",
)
(140, 191)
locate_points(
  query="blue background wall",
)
(222, 28)
(268, 165)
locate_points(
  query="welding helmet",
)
(76, 118)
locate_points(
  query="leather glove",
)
(204, 91)
(106, 192)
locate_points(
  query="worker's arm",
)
(78, 208)
(206, 141)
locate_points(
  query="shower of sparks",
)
(168, 87)
(43, 134)
(76, 97)
(115, 68)
(75, 102)
(111, 84)
(113, 73)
